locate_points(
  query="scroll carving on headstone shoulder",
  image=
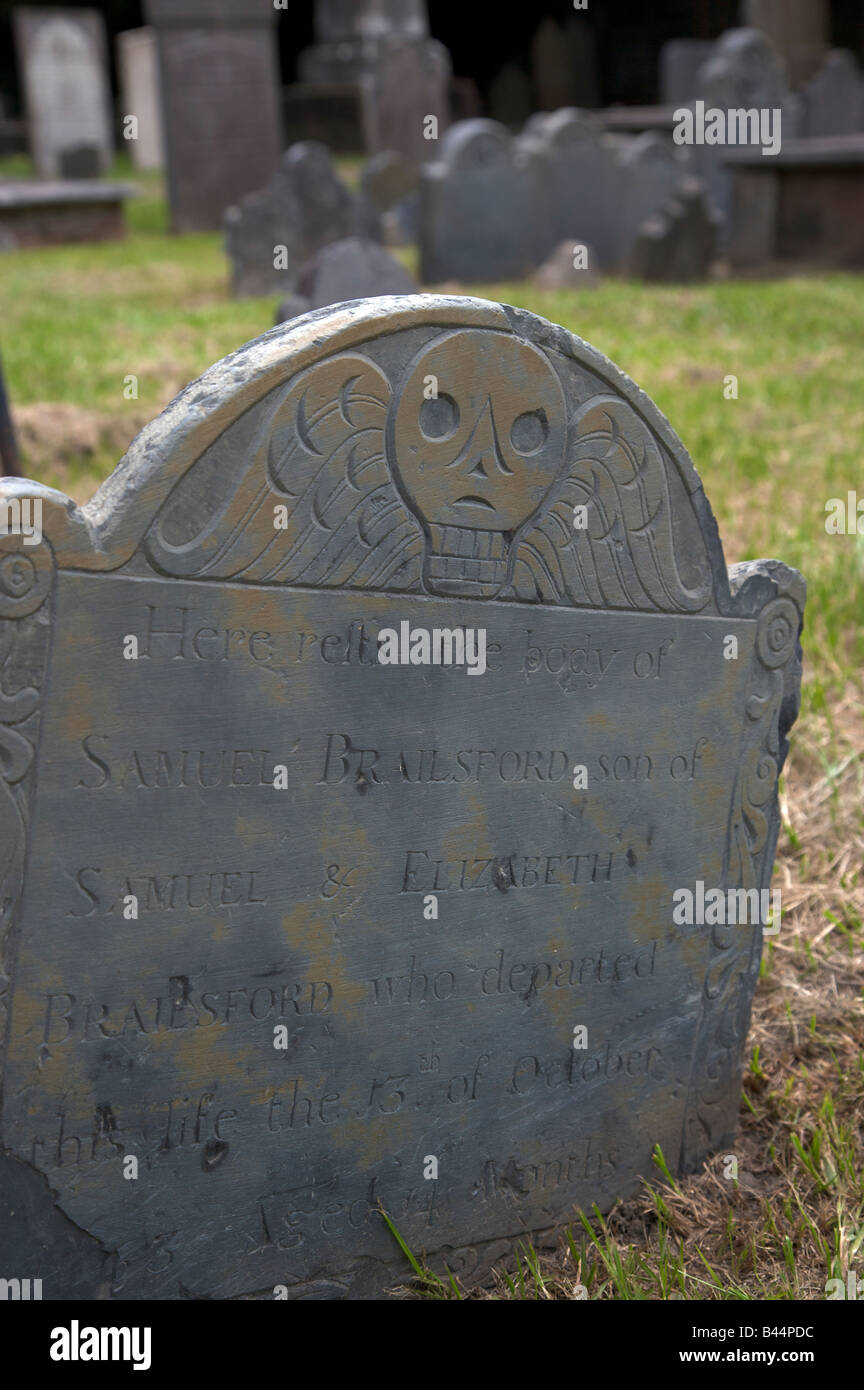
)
(300, 925)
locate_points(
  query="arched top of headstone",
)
(563, 130)
(414, 443)
(652, 148)
(476, 144)
(744, 70)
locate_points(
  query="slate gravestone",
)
(219, 80)
(479, 207)
(494, 207)
(679, 244)
(303, 207)
(579, 166)
(373, 911)
(63, 61)
(349, 269)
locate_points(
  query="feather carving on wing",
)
(625, 554)
(316, 505)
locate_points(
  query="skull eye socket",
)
(439, 418)
(529, 431)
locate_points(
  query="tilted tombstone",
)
(311, 934)
(222, 120)
(679, 243)
(64, 63)
(391, 183)
(272, 232)
(479, 207)
(834, 97)
(653, 170)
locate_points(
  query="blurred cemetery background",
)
(178, 175)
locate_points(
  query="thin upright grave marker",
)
(285, 921)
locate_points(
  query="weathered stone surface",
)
(151, 784)
(141, 97)
(304, 206)
(219, 79)
(63, 62)
(680, 243)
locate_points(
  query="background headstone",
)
(579, 166)
(303, 207)
(798, 29)
(391, 184)
(63, 61)
(680, 61)
(345, 270)
(479, 207)
(307, 912)
(408, 83)
(551, 70)
(349, 34)
(510, 99)
(401, 75)
(679, 243)
(219, 79)
(140, 96)
(834, 97)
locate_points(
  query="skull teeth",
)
(466, 544)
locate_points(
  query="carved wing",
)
(625, 556)
(316, 505)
